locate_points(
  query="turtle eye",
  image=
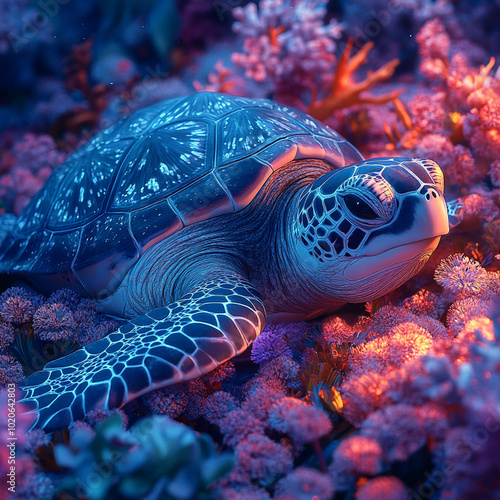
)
(359, 208)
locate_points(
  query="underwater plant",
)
(156, 457)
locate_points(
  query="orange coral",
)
(344, 91)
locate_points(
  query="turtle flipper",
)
(216, 321)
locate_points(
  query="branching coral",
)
(344, 91)
(286, 43)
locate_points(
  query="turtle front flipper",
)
(214, 322)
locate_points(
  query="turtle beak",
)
(431, 214)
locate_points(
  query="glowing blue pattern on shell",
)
(180, 161)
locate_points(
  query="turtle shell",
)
(164, 167)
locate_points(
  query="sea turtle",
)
(195, 219)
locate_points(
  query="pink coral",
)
(286, 43)
(355, 456)
(221, 373)
(481, 128)
(261, 396)
(283, 370)
(302, 422)
(386, 487)
(433, 47)
(336, 329)
(425, 302)
(462, 311)
(428, 114)
(362, 395)
(402, 429)
(99, 415)
(406, 342)
(482, 206)
(304, 484)
(242, 492)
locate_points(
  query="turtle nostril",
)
(429, 193)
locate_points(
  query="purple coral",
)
(31, 162)
(386, 487)
(286, 43)
(11, 371)
(261, 459)
(238, 424)
(6, 335)
(302, 422)
(460, 274)
(403, 429)
(218, 405)
(283, 370)
(304, 484)
(270, 345)
(54, 322)
(171, 401)
(17, 310)
(355, 456)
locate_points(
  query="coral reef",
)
(397, 398)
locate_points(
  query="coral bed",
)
(393, 399)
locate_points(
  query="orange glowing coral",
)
(344, 91)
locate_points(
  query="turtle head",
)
(363, 230)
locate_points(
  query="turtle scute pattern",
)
(173, 164)
(324, 224)
(208, 326)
